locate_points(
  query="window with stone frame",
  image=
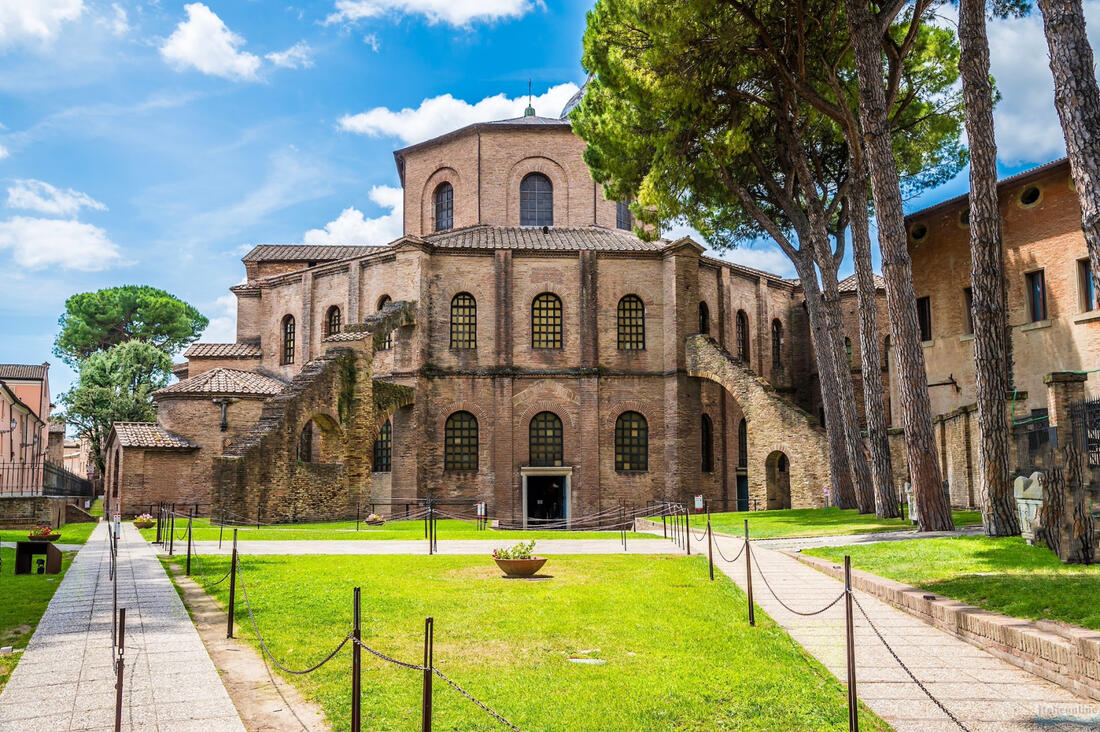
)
(383, 448)
(387, 341)
(463, 321)
(1086, 285)
(536, 200)
(777, 344)
(444, 201)
(288, 341)
(624, 217)
(1036, 296)
(706, 437)
(742, 444)
(631, 323)
(924, 317)
(545, 437)
(460, 442)
(332, 321)
(631, 442)
(742, 336)
(546, 321)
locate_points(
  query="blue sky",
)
(156, 141)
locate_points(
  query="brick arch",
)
(547, 405)
(331, 440)
(552, 170)
(628, 405)
(521, 431)
(444, 174)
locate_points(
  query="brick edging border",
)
(1067, 655)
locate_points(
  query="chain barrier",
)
(788, 607)
(719, 550)
(484, 707)
(387, 659)
(905, 668)
(205, 579)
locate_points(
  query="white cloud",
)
(351, 227)
(37, 195)
(37, 20)
(4, 152)
(298, 56)
(372, 40)
(203, 42)
(119, 22)
(223, 321)
(437, 115)
(38, 243)
(452, 12)
(763, 255)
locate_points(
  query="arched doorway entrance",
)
(779, 481)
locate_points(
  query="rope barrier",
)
(905, 668)
(788, 607)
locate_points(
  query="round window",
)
(964, 218)
(918, 232)
(1030, 195)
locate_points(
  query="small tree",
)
(96, 321)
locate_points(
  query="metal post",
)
(189, 521)
(232, 586)
(356, 516)
(356, 665)
(664, 526)
(687, 531)
(119, 669)
(426, 698)
(160, 518)
(748, 574)
(710, 548)
(853, 701)
(172, 534)
(257, 515)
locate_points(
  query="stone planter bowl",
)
(520, 567)
(380, 522)
(52, 537)
(144, 524)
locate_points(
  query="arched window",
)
(332, 321)
(848, 350)
(305, 443)
(624, 217)
(704, 317)
(545, 440)
(444, 200)
(546, 321)
(383, 449)
(460, 442)
(631, 442)
(463, 321)
(886, 353)
(742, 336)
(288, 340)
(742, 444)
(536, 201)
(777, 344)
(706, 434)
(387, 341)
(631, 323)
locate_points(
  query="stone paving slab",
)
(65, 679)
(983, 692)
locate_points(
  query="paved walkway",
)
(983, 692)
(444, 546)
(65, 679)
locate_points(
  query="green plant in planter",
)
(522, 550)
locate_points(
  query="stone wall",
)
(26, 511)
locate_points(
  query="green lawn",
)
(96, 508)
(677, 650)
(1003, 575)
(23, 599)
(447, 529)
(798, 522)
(70, 533)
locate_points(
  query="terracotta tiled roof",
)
(223, 350)
(554, 239)
(150, 434)
(225, 381)
(531, 120)
(1002, 183)
(23, 371)
(848, 284)
(302, 253)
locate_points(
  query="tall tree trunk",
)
(986, 276)
(1077, 99)
(897, 270)
(874, 397)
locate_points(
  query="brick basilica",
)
(517, 345)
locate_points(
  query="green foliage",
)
(522, 550)
(115, 386)
(96, 321)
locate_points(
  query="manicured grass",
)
(96, 508)
(677, 650)
(70, 533)
(345, 530)
(1003, 575)
(792, 523)
(23, 599)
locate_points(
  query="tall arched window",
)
(742, 444)
(463, 321)
(460, 442)
(706, 435)
(444, 200)
(704, 317)
(387, 341)
(624, 217)
(332, 321)
(546, 321)
(631, 442)
(383, 449)
(288, 340)
(848, 350)
(545, 440)
(631, 323)
(536, 201)
(742, 336)
(305, 443)
(777, 344)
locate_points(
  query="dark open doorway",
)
(545, 499)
